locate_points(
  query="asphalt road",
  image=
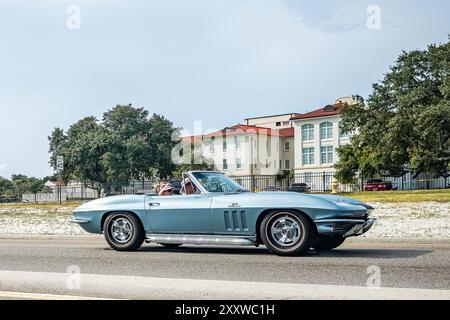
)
(402, 264)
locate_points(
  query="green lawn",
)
(442, 195)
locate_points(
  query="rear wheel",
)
(123, 232)
(286, 232)
(328, 243)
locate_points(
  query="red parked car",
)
(378, 185)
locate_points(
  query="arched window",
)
(307, 132)
(326, 130)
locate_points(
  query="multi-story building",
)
(317, 135)
(279, 121)
(251, 149)
(269, 145)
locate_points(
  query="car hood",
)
(301, 200)
(341, 199)
(116, 202)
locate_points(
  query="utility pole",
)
(60, 168)
(252, 182)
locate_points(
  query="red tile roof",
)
(242, 129)
(330, 110)
(287, 132)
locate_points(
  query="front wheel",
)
(286, 233)
(328, 243)
(123, 232)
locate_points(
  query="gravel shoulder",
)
(413, 220)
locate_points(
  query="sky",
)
(215, 61)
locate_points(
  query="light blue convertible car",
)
(214, 210)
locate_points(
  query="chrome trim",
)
(121, 230)
(341, 220)
(79, 221)
(196, 182)
(285, 231)
(360, 228)
(202, 239)
(234, 205)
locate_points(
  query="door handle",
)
(153, 204)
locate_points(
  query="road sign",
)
(60, 163)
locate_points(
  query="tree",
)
(127, 144)
(21, 184)
(405, 124)
(6, 189)
(83, 149)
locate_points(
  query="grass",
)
(46, 205)
(442, 195)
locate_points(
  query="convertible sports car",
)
(214, 210)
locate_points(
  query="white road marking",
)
(134, 287)
(42, 296)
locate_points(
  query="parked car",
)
(299, 187)
(214, 210)
(378, 185)
(271, 189)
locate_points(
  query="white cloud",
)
(3, 166)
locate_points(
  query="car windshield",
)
(217, 182)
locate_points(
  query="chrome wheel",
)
(121, 230)
(285, 231)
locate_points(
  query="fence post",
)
(362, 182)
(323, 181)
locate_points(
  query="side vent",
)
(235, 220)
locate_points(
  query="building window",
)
(308, 156)
(307, 132)
(269, 146)
(281, 164)
(237, 142)
(211, 144)
(238, 163)
(267, 163)
(326, 154)
(326, 130)
(286, 123)
(287, 146)
(287, 165)
(225, 164)
(278, 124)
(224, 143)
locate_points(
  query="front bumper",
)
(343, 227)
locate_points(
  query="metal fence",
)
(317, 182)
(322, 181)
(133, 187)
